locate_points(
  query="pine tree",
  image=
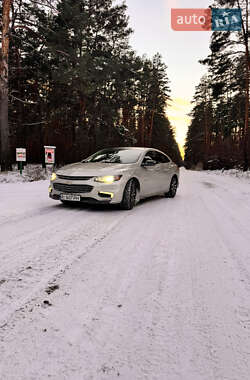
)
(231, 49)
(76, 83)
(4, 89)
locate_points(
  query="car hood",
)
(93, 169)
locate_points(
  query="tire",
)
(129, 195)
(172, 188)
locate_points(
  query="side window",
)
(157, 156)
(151, 154)
(164, 158)
(161, 158)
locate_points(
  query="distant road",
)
(161, 292)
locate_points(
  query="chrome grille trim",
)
(73, 178)
(72, 188)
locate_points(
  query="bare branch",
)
(40, 122)
(22, 101)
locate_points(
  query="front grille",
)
(72, 188)
(73, 178)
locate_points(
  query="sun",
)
(178, 114)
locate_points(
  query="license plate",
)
(70, 197)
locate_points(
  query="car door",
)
(151, 176)
(166, 171)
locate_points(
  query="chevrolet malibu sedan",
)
(116, 176)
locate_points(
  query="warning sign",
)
(20, 154)
(50, 154)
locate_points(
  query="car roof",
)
(142, 149)
(138, 148)
(133, 148)
(125, 147)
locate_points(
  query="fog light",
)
(104, 194)
(53, 177)
(50, 189)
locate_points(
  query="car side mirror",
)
(148, 163)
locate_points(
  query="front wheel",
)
(129, 195)
(173, 188)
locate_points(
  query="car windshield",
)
(116, 156)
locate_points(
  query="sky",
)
(181, 51)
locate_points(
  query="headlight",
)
(108, 178)
(53, 177)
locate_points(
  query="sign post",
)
(21, 157)
(50, 155)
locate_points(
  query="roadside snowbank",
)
(232, 172)
(30, 173)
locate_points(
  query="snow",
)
(30, 173)
(232, 172)
(159, 292)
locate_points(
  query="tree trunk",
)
(142, 126)
(246, 129)
(150, 134)
(245, 28)
(4, 122)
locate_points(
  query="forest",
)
(70, 78)
(219, 134)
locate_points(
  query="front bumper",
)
(88, 200)
(99, 194)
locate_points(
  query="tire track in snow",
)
(182, 304)
(71, 252)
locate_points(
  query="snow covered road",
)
(161, 292)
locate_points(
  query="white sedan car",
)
(116, 176)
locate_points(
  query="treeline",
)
(75, 82)
(218, 136)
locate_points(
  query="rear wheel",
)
(173, 188)
(129, 195)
